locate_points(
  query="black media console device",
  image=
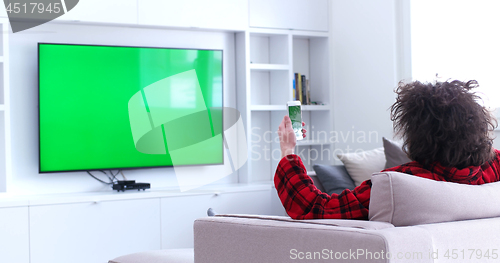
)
(130, 185)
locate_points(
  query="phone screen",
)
(295, 114)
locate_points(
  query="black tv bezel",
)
(122, 168)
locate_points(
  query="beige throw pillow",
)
(361, 165)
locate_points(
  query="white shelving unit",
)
(268, 67)
(5, 163)
(313, 142)
(268, 59)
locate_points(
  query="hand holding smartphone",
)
(295, 114)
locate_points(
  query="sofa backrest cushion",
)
(334, 178)
(406, 200)
(394, 154)
(318, 184)
(361, 165)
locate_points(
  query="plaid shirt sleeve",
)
(302, 200)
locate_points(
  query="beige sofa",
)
(413, 220)
(279, 239)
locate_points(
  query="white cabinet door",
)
(179, 213)
(109, 11)
(93, 232)
(177, 218)
(216, 14)
(14, 235)
(289, 14)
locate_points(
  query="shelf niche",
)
(310, 58)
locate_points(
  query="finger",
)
(288, 122)
(282, 124)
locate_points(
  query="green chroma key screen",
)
(113, 107)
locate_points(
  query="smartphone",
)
(295, 114)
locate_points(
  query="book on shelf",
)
(301, 89)
(299, 78)
(304, 92)
(308, 93)
(295, 97)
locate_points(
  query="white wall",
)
(365, 71)
(371, 52)
(496, 142)
(24, 98)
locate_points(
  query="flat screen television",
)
(119, 107)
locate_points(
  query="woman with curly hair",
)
(446, 133)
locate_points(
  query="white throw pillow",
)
(407, 200)
(361, 165)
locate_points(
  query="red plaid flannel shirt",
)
(302, 200)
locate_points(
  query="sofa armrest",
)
(239, 238)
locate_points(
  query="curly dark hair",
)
(443, 122)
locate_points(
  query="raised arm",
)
(302, 200)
